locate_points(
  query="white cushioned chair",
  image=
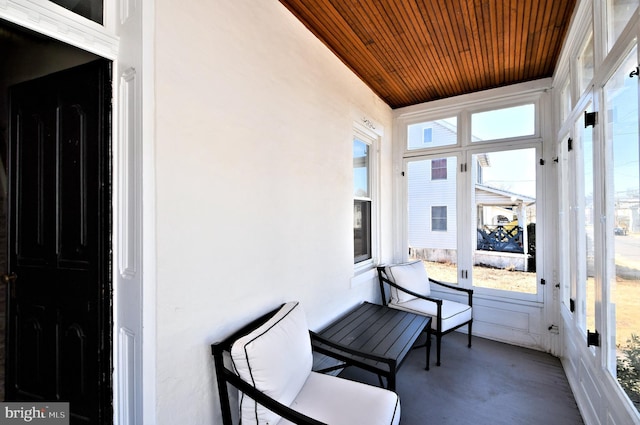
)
(410, 290)
(271, 366)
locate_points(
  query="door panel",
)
(59, 319)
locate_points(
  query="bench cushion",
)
(338, 401)
(412, 276)
(275, 358)
(453, 313)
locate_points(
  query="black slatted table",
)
(373, 337)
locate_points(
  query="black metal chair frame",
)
(438, 332)
(226, 376)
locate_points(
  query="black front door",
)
(59, 285)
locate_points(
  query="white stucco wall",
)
(254, 123)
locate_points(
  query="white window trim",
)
(364, 132)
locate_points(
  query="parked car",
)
(620, 231)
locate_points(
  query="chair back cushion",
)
(275, 358)
(412, 276)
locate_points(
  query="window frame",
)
(522, 94)
(370, 136)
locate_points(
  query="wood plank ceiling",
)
(414, 51)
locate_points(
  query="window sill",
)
(363, 273)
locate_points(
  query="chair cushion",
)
(338, 401)
(275, 358)
(453, 313)
(412, 276)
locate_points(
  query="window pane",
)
(565, 97)
(619, 12)
(585, 64)
(586, 212)
(432, 229)
(621, 95)
(361, 230)
(505, 217)
(568, 289)
(504, 123)
(431, 134)
(360, 169)
(90, 9)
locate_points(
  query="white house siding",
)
(254, 125)
(425, 193)
(443, 134)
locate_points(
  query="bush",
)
(628, 369)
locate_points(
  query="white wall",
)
(254, 120)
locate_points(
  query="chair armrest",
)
(415, 294)
(469, 292)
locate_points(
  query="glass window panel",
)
(565, 97)
(619, 12)
(361, 230)
(430, 134)
(362, 201)
(360, 169)
(568, 289)
(586, 223)
(90, 9)
(505, 217)
(623, 182)
(504, 123)
(432, 228)
(585, 64)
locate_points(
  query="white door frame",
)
(127, 23)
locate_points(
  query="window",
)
(431, 237)
(90, 9)
(619, 13)
(585, 64)
(361, 202)
(427, 135)
(439, 169)
(454, 196)
(439, 219)
(565, 98)
(517, 121)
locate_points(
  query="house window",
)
(427, 135)
(361, 201)
(439, 169)
(439, 219)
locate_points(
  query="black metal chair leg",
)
(438, 341)
(469, 335)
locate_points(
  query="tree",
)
(628, 369)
